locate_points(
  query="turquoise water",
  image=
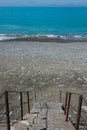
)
(43, 21)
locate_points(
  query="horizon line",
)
(42, 6)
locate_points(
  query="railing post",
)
(79, 112)
(21, 104)
(68, 107)
(65, 108)
(28, 100)
(7, 110)
(60, 95)
(35, 96)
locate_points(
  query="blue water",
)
(43, 21)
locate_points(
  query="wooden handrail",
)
(28, 100)
(79, 112)
(18, 91)
(70, 92)
(66, 105)
(66, 101)
(60, 95)
(5, 94)
(21, 104)
(7, 110)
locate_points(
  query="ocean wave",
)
(52, 36)
(4, 37)
(11, 26)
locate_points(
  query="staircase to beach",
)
(44, 115)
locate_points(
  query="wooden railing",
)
(68, 106)
(7, 112)
(71, 107)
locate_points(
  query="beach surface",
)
(44, 66)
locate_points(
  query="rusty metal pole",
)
(60, 95)
(65, 108)
(68, 107)
(21, 104)
(79, 112)
(7, 110)
(28, 100)
(35, 96)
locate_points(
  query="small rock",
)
(61, 85)
(22, 68)
(79, 79)
(85, 79)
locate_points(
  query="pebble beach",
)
(43, 66)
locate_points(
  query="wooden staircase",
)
(45, 116)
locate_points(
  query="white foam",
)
(6, 37)
(77, 36)
(52, 36)
(3, 38)
(45, 35)
(62, 37)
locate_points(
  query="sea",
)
(69, 23)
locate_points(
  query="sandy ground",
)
(43, 66)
